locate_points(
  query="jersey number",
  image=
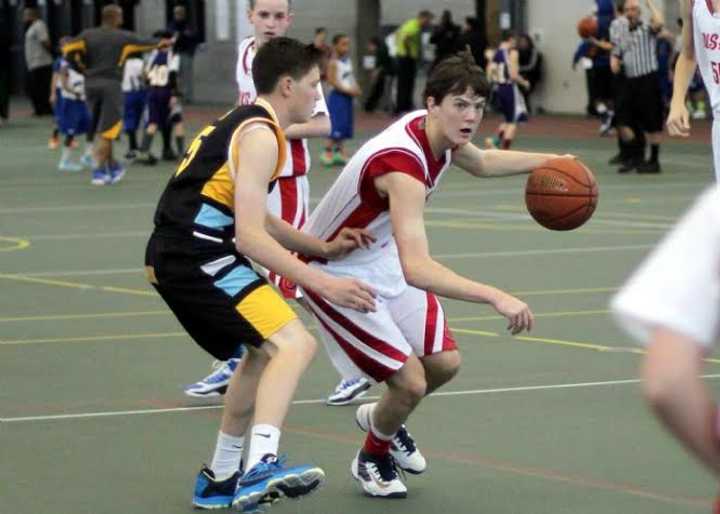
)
(193, 148)
(715, 71)
(158, 76)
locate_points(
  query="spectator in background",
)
(445, 37)
(381, 71)
(530, 61)
(665, 50)
(319, 42)
(341, 79)
(602, 74)
(5, 56)
(186, 41)
(38, 57)
(475, 38)
(583, 57)
(409, 46)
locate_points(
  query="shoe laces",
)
(386, 467)
(267, 465)
(403, 441)
(347, 383)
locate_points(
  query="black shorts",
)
(214, 293)
(641, 105)
(602, 83)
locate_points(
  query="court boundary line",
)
(316, 401)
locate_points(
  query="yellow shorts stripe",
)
(266, 311)
(113, 132)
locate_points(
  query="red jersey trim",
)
(419, 135)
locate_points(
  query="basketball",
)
(587, 26)
(561, 194)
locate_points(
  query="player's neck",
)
(439, 144)
(279, 108)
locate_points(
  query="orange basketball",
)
(561, 194)
(587, 27)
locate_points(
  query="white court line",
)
(520, 253)
(90, 415)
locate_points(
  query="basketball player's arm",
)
(515, 69)
(674, 390)
(407, 204)
(678, 122)
(317, 126)
(497, 163)
(253, 172)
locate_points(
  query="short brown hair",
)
(282, 56)
(454, 75)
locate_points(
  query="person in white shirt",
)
(671, 305)
(700, 49)
(289, 199)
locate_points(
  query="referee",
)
(101, 52)
(641, 102)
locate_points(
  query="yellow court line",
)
(117, 337)
(75, 285)
(541, 292)
(60, 317)
(19, 244)
(537, 315)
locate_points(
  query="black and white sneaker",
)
(378, 476)
(349, 390)
(402, 447)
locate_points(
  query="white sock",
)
(66, 151)
(228, 453)
(373, 428)
(264, 439)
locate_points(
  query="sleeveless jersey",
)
(74, 89)
(344, 73)
(501, 60)
(706, 36)
(353, 201)
(133, 75)
(298, 162)
(199, 198)
(159, 66)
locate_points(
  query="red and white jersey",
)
(353, 201)
(706, 36)
(299, 161)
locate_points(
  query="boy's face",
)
(342, 47)
(303, 95)
(459, 115)
(269, 18)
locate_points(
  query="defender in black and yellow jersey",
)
(210, 220)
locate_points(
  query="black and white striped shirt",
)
(637, 49)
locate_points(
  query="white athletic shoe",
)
(215, 384)
(402, 447)
(378, 476)
(349, 390)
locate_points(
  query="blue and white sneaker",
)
(117, 172)
(378, 476)
(87, 160)
(269, 480)
(213, 494)
(349, 390)
(100, 177)
(215, 384)
(402, 448)
(69, 166)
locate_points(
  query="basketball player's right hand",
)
(678, 122)
(349, 292)
(517, 312)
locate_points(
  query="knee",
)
(413, 388)
(450, 365)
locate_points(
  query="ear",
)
(286, 86)
(430, 103)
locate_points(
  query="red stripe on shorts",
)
(448, 343)
(367, 364)
(430, 322)
(368, 339)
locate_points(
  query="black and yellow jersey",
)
(199, 198)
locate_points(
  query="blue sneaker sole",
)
(211, 504)
(294, 486)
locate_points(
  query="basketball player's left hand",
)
(517, 313)
(347, 240)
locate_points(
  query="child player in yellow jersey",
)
(211, 219)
